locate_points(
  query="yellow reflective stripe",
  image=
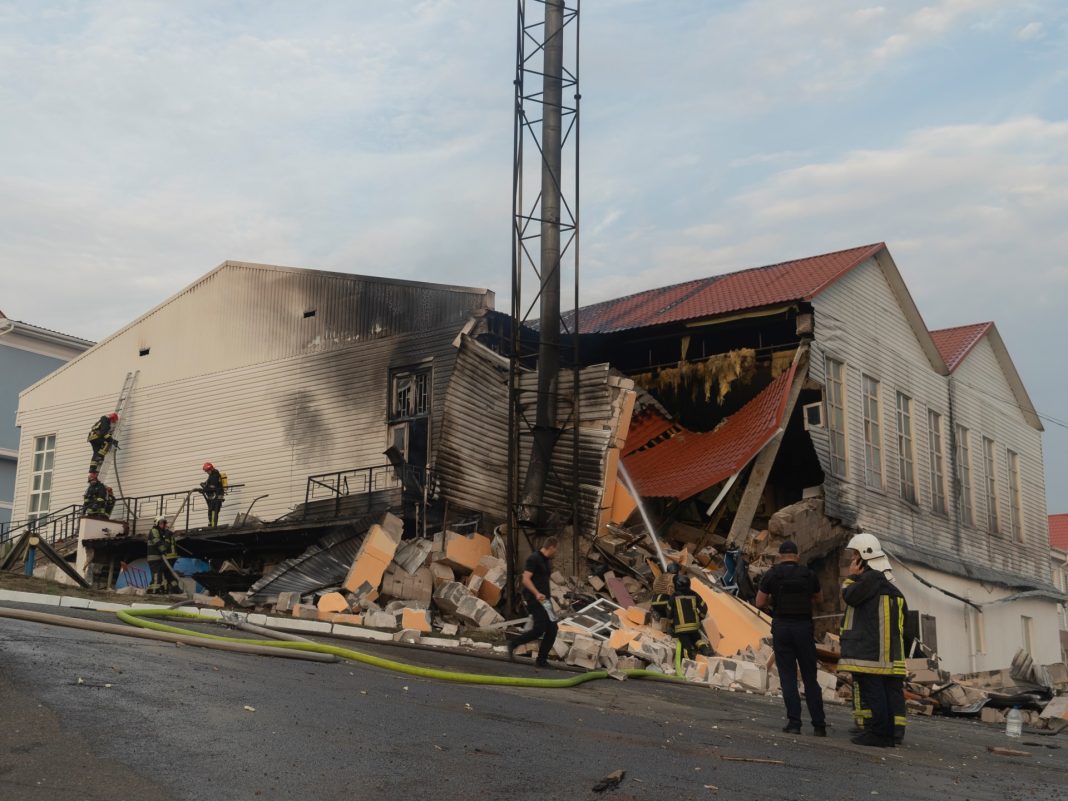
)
(884, 628)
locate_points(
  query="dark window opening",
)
(143, 351)
(309, 313)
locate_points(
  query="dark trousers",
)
(162, 580)
(862, 715)
(795, 648)
(215, 503)
(543, 627)
(692, 642)
(100, 450)
(877, 695)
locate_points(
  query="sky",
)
(143, 143)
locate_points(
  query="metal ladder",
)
(120, 407)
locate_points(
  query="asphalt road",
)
(174, 725)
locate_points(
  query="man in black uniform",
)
(792, 589)
(213, 490)
(100, 440)
(536, 588)
(95, 499)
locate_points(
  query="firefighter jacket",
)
(213, 485)
(101, 429)
(873, 630)
(161, 544)
(687, 612)
(96, 497)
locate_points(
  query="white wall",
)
(956, 622)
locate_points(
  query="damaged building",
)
(809, 400)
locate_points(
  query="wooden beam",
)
(765, 460)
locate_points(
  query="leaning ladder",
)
(120, 407)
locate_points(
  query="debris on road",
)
(610, 782)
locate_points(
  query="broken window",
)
(44, 456)
(905, 459)
(989, 468)
(409, 394)
(836, 424)
(938, 468)
(873, 435)
(964, 477)
(1015, 509)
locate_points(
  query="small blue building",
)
(27, 354)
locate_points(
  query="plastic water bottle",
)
(1014, 722)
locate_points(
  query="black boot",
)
(872, 740)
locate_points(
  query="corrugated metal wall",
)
(859, 322)
(236, 375)
(472, 463)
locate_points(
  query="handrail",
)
(160, 504)
(51, 526)
(363, 481)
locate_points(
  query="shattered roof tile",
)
(956, 343)
(801, 279)
(689, 462)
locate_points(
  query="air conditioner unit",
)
(813, 415)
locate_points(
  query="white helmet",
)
(870, 550)
(160, 520)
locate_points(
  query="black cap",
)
(789, 546)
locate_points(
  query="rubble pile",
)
(1041, 693)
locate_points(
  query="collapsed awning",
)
(684, 463)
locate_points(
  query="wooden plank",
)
(765, 460)
(619, 592)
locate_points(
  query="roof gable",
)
(957, 344)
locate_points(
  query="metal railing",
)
(52, 527)
(341, 484)
(139, 513)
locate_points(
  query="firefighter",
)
(109, 503)
(101, 441)
(95, 499)
(213, 488)
(663, 589)
(873, 643)
(161, 551)
(687, 611)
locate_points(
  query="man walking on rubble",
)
(873, 644)
(792, 590)
(688, 611)
(161, 551)
(536, 596)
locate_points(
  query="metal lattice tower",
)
(543, 468)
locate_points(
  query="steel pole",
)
(545, 426)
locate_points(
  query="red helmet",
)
(113, 417)
(208, 467)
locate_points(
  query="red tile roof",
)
(690, 462)
(644, 428)
(802, 279)
(1058, 532)
(956, 343)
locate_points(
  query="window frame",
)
(839, 461)
(42, 470)
(937, 458)
(990, 476)
(418, 394)
(906, 449)
(962, 456)
(873, 433)
(1015, 495)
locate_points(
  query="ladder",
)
(120, 407)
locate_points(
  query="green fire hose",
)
(137, 617)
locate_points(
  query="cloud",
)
(1030, 31)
